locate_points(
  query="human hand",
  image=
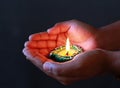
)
(79, 33)
(39, 45)
(84, 66)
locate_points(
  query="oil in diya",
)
(65, 53)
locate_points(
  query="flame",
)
(67, 45)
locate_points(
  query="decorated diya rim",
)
(60, 58)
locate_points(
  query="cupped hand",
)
(79, 33)
(84, 66)
(38, 47)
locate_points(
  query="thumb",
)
(59, 28)
(59, 69)
(52, 68)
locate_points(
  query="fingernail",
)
(48, 30)
(47, 66)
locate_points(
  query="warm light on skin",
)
(65, 53)
(67, 45)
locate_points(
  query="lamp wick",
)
(67, 53)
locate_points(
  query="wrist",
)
(102, 40)
(107, 36)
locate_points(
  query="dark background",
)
(20, 18)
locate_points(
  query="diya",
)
(65, 53)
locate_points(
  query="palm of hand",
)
(39, 46)
(79, 33)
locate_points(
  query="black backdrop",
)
(20, 18)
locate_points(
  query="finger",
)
(59, 28)
(35, 57)
(41, 44)
(42, 36)
(44, 52)
(30, 53)
(61, 39)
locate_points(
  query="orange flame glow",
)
(67, 45)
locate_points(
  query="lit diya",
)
(65, 53)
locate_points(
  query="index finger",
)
(41, 44)
(42, 36)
